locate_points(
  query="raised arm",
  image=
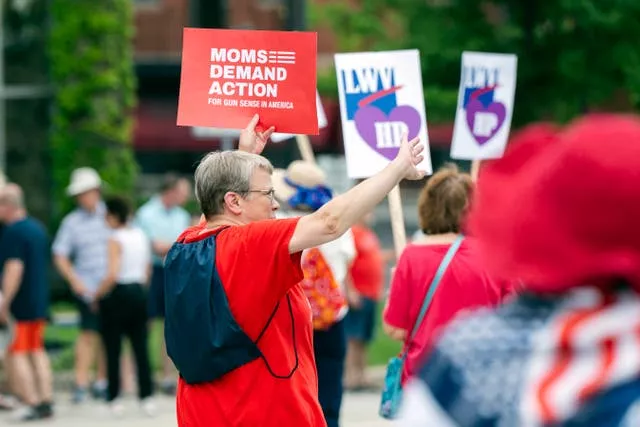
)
(336, 217)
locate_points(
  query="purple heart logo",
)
(485, 122)
(382, 132)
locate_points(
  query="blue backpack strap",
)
(204, 340)
(444, 264)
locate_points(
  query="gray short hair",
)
(222, 171)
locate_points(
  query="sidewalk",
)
(358, 410)
(63, 381)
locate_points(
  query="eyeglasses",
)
(269, 193)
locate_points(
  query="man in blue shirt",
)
(163, 219)
(80, 254)
(24, 259)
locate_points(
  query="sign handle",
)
(475, 170)
(306, 151)
(397, 220)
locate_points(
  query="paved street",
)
(360, 410)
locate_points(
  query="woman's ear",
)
(232, 202)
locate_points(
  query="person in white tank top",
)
(122, 303)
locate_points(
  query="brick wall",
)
(159, 26)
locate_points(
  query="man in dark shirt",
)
(24, 259)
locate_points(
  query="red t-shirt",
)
(257, 272)
(367, 269)
(464, 285)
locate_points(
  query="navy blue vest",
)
(203, 339)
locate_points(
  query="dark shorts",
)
(88, 318)
(155, 302)
(360, 323)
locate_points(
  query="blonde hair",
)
(444, 200)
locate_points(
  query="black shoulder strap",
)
(293, 338)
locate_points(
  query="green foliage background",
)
(92, 71)
(573, 55)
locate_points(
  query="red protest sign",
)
(229, 75)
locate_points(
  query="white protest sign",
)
(380, 98)
(322, 122)
(200, 132)
(485, 105)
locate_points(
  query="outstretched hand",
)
(409, 157)
(253, 140)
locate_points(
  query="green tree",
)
(573, 55)
(92, 73)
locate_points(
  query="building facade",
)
(160, 144)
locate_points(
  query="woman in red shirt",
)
(262, 372)
(364, 291)
(442, 205)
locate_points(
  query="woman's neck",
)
(437, 239)
(221, 221)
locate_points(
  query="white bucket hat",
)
(83, 180)
(299, 172)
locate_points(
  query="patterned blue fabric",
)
(392, 389)
(564, 362)
(83, 237)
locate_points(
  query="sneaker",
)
(168, 387)
(25, 413)
(99, 390)
(79, 395)
(7, 402)
(148, 407)
(116, 408)
(45, 410)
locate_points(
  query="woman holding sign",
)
(238, 324)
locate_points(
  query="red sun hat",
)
(561, 208)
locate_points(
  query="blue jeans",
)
(330, 348)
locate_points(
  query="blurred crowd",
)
(515, 303)
(112, 258)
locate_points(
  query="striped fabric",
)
(565, 362)
(83, 237)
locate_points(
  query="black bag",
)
(203, 339)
